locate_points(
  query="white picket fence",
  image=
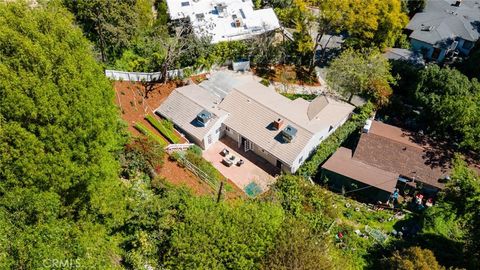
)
(199, 173)
(178, 147)
(118, 75)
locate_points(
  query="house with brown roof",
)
(384, 158)
(282, 131)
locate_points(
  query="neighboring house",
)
(385, 157)
(282, 131)
(224, 20)
(445, 26)
(400, 54)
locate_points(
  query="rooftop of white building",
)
(224, 20)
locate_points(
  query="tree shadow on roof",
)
(437, 153)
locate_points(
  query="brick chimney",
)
(277, 124)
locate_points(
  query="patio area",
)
(254, 168)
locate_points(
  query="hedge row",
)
(334, 141)
(164, 127)
(295, 96)
(145, 131)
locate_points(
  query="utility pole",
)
(219, 196)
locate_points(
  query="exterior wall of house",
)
(214, 134)
(468, 46)
(427, 49)
(313, 143)
(257, 150)
(190, 138)
(340, 183)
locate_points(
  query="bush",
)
(295, 96)
(333, 142)
(175, 156)
(196, 150)
(145, 131)
(165, 127)
(265, 82)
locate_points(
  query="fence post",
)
(220, 192)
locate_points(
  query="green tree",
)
(298, 247)
(365, 73)
(456, 214)
(451, 105)
(222, 236)
(413, 258)
(375, 23)
(59, 190)
(111, 25)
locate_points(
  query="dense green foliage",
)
(365, 73)
(112, 25)
(457, 216)
(164, 127)
(219, 236)
(74, 192)
(413, 258)
(295, 96)
(451, 105)
(59, 188)
(337, 138)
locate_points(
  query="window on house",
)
(467, 45)
(436, 53)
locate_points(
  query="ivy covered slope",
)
(59, 189)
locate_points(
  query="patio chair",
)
(225, 152)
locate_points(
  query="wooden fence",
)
(199, 173)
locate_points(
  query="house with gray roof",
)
(282, 131)
(445, 26)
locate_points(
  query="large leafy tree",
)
(452, 105)
(378, 22)
(111, 25)
(59, 192)
(365, 73)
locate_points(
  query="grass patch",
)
(295, 96)
(145, 131)
(165, 127)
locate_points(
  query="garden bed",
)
(288, 75)
(165, 127)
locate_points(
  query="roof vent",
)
(427, 28)
(204, 117)
(289, 133)
(277, 124)
(367, 126)
(457, 3)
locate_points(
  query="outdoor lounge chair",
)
(225, 152)
(240, 162)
